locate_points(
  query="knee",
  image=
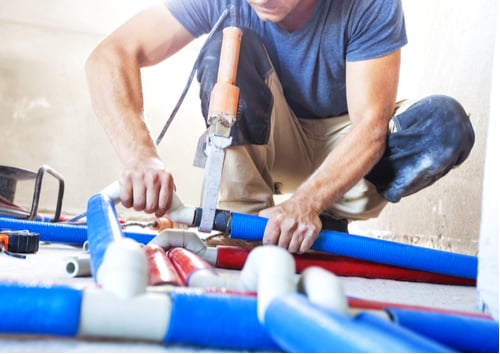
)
(452, 126)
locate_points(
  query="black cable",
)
(12, 254)
(191, 77)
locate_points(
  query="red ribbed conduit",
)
(161, 269)
(234, 257)
(186, 263)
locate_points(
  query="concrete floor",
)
(48, 267)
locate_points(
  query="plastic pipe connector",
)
(118, 264)
(105, 314)
(124, 269)
(323, 288)
(269, 270)
(189, 240)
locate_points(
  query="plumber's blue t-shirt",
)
(310, 61)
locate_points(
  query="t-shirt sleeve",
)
(197, 16)
(376, 28)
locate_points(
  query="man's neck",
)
(298, 16)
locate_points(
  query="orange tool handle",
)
(225, 94)
(229, 55)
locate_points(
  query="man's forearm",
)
(116, 94)
(351, 160)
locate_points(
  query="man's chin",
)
(267, 17)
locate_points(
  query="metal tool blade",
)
(212, 179)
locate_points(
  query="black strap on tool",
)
(17, 243)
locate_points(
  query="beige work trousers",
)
(295, 150)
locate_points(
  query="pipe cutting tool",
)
(222, 112)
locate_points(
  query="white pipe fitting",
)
(124, 268)
(189, 240)
(269, 270)
(103, 313)
(323, 288)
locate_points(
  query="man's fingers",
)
(164, 198)
(288, 227)
(126, 195)
(139, 195)
(288, 232)
(273, 230)
(308, 240)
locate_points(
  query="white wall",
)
(46, 116)
(487, 282)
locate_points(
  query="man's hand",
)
(292, 225)
(147, 186)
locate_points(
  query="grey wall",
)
(46, 117)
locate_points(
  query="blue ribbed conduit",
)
(39, 310)
(217, 321)
(103, 228)
(251, 228)
(61, 232)
(297, 325)
(463, 333)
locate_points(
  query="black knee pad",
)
(433, 135)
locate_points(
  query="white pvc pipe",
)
(269, 270)
(324, 288)
(104, 314)
(207, 278)
(78, 266)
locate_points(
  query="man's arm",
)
(114, 79)
(371, 94)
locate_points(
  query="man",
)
(318, 83)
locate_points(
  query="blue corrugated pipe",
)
(464, 333)
(103, 228)
(61, 232)
(297, 325)
(217, 321)
(39, 310)
(251, 228)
